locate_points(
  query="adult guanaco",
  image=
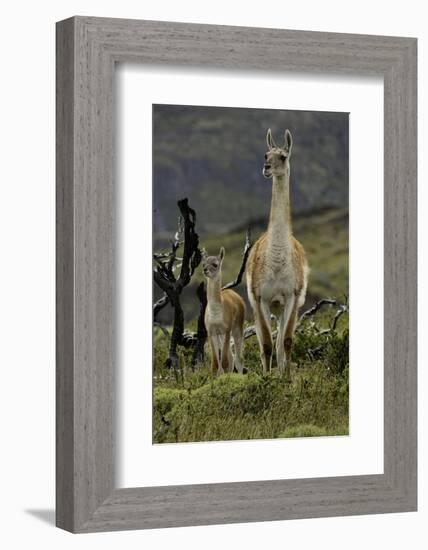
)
(277, 270)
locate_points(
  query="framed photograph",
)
(236, 274)
(237, 183)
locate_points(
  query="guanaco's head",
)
(211, 265)
(277, 159)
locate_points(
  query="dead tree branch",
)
(342, 309)
(159, 305)
(162, 328)
(201, 335)
(165, 278)
(245, 254)
(316, 307)
(251, 331)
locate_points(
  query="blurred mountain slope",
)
(214, 156)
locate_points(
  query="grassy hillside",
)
(195, 406)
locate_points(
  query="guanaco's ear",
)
(269, 140)
(221, 253)
(203, 253)
(288, 143)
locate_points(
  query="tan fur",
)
(276, 269)
(224, 318)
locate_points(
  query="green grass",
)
(196, 406)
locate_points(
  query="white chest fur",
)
(278, 278)
(215, 318)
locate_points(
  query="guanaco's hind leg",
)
(264, 334)
(288, 337)
(281, 352)
(225, 353)
(238, 340)
(230, 359)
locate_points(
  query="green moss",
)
(195, 406)
(309, 430)
(252, 406)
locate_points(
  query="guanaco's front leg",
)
(215, 353)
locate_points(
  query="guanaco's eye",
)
(266, 157)
(282, 157)
(215, 265)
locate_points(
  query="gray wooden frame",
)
(87, 50)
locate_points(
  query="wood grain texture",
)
(87, 50)
(64, 278)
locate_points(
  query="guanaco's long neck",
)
(279, 228)
(214, 290)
